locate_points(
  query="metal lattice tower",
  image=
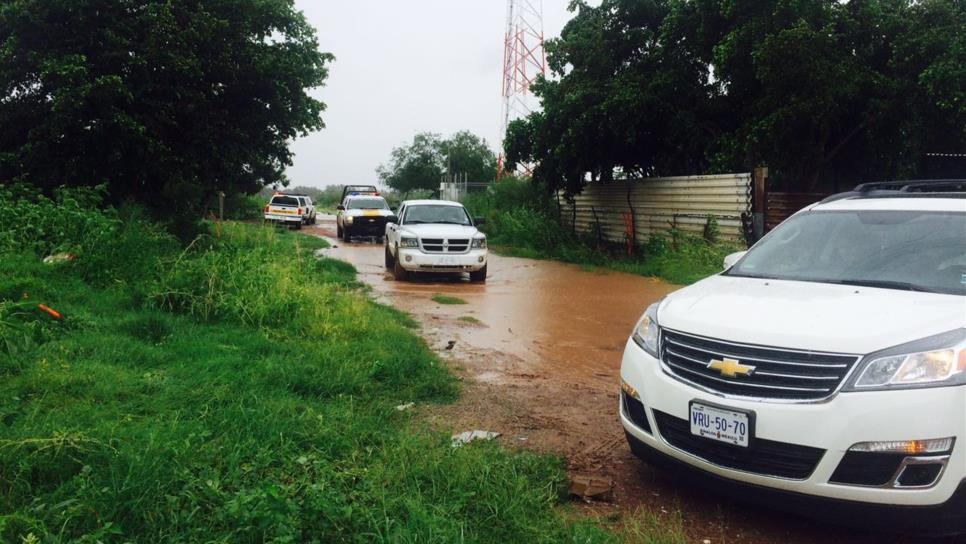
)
(523, 61)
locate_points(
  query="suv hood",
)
(355, 212)
(437, 230)
(809, 316)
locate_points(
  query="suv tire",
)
(346, 236)
(479, 276)
(389, 260)
(398, 272)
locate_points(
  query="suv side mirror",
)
(340, 207)
(392, 219)
(479, 221)
(730, 260)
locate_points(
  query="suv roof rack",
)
(920, 188)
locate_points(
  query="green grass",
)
(469, 319)
(440, 298)
(244, 393)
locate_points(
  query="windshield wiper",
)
(886, 284)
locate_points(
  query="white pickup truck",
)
(435, 236)
(285, 210)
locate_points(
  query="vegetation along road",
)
(538, 348)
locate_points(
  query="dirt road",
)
(538, 348)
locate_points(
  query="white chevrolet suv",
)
(435, 236)
(824, 371)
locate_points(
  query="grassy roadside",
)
(237, 391)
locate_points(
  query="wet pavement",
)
(538, 348)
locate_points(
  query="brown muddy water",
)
(538, 349)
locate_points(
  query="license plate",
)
(447, 261)
(721, 424)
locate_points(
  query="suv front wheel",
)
(389, 260)
(479, 276)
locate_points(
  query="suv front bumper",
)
(415, 260)
(832, 427)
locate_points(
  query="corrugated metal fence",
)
(658, 204)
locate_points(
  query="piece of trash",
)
(590, 487)
(450, 344)
(49, 311)
(522, 438)
(466, 437)
(57, 258)
(706, 541)
(404, 407)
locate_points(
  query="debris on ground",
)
(468, 436)
(49, 311)
(58, 258)
(589, 487)
(450, 344)
(404, 407)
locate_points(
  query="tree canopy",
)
(822, 92)
(423, 163)
(164, 102)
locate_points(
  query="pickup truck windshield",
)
(367, 204)
(430, 213)
(906, 250)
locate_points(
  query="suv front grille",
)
(766, 457)
(776, 373)
(445, 245)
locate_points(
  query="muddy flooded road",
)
(538, 349)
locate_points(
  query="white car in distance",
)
(435, 236)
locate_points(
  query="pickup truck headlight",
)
(409, 242)
(937, 361)
(647, 332)
(348, 219)
(479, 243)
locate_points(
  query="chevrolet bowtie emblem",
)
(730, 368)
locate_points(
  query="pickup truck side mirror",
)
(479, 221)
(733, 258)
(340, 207)
(392, 219)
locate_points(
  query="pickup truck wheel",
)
(479, 276)
(398, 271)
(389, 261)
(298, 226)
(346, 236)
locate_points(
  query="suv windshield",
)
(433, 213)
(909, 250)
(366, 204)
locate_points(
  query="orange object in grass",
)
(49, 311)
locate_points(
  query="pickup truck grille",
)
(769, 373)
(445, 245)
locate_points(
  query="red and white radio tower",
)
(523, 61)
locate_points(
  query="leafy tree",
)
(821, 92)
(415, 166)
(467, 154)
(423, 163)
(164, 102)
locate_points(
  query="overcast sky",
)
(404, 67)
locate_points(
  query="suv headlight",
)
(348, 218)
(647, 332)
(408, 242)
(479, 243)
(936, 361)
